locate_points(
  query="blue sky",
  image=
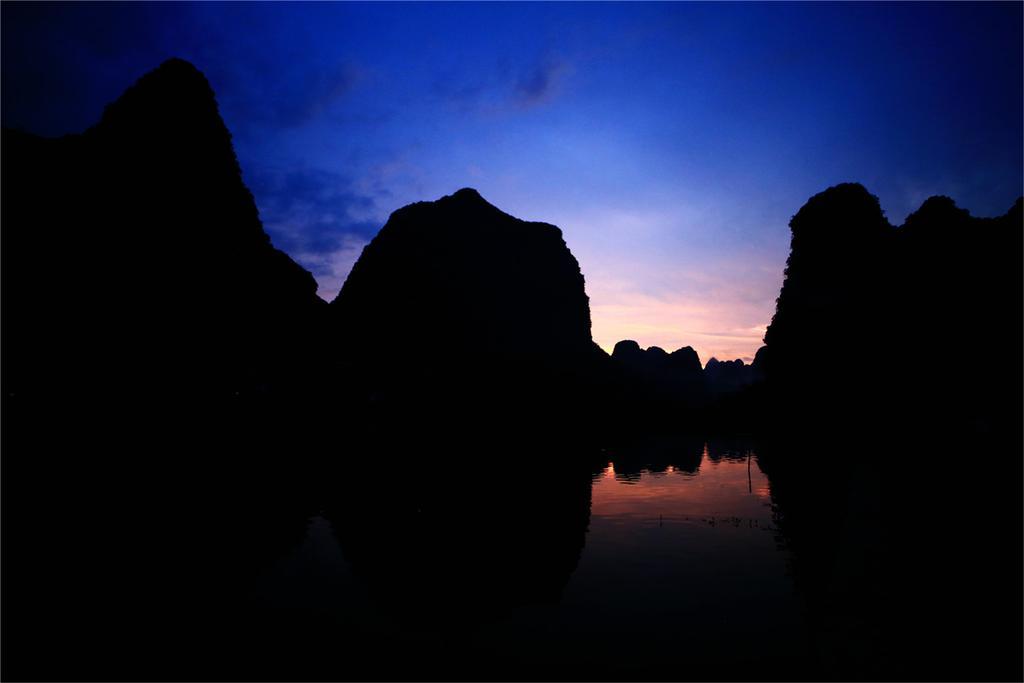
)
(670, 142)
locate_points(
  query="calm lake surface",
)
(677, 571)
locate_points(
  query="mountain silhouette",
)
(839, 236)
(900, 315)
(455, 301)
(157, 359)
(652, 374)
(728, 376)
(893, 374)
(158, 274)
(459, 277)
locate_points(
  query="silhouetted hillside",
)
(135, 261)
(957, 301)
(821, 335)
(893, 368)
(454, 300)
(892, 322)
(156, 360)
(459, 277)
(653, 375)
(649, 388)
(728, 376)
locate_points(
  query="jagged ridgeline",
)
(134, 259)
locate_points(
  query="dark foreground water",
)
(452, 556)
(677, 571)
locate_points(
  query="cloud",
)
(504, 87)
(95, 50)
(317, 217)
(281, 96)
(540, 84)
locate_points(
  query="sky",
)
(670, 142)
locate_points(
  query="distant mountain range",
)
(135, 264)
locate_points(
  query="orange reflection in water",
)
(730, 489)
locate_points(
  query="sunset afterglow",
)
(671, 142)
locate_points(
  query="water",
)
(488, 554)
(665, 562)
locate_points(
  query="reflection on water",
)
(731, 487)
(677, 559)
(683, 554)
(462, 556)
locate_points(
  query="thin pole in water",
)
(750, 486)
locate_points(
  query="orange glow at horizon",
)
(717, 315)
(712, 332)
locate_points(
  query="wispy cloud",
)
(261, 96)
(319, 218)
(505, 87)
(309, 95)
(541, 83)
